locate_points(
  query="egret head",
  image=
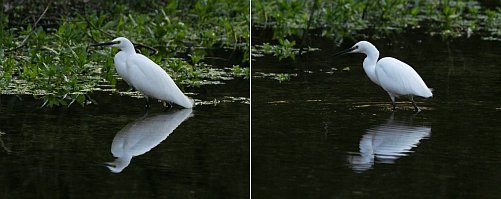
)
(360, 47)
(121, 43)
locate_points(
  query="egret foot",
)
(147, 105)
(416, 108)
(392, 97)
(167, 106)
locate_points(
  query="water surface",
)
(330, 133)
(114, 150)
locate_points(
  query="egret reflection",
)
(142, 135)
(388, 142)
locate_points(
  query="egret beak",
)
(345, 51)
(106, 43)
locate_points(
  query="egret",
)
(394, 76)
(388, 142)
(145, 75)
(142, 135)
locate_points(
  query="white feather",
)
(388, 142)
(142, 135)
(146, 76)
(400, 79)
(159, 84)
(394, 76)
(120, 65)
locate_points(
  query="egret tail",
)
(183, 101)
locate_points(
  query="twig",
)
(155, 51)
(310, 19)
(32, 30)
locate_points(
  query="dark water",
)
(64, 153)
(331, 134)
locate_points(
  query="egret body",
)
(394, 76)
(388, 142)
(145, 75)
(142, 135)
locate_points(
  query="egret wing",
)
(398, 78)
(142, 135)
(150, 79)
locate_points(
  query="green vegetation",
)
(240, 72)
(280, 77)
(45, 44)
(295, 20)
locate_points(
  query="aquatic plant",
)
(280, 77)
(492, 23)
(240, 72)
(49, 57)
(293, 20)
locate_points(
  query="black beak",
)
(106, 43)
(345, 51)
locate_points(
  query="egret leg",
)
(147, 106)
(393, 102)
(146, 113)
(414, 104)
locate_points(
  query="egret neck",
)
(370, 64)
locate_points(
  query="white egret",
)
(142, 135)
(388, 142)
(145, 75)
(394, 76)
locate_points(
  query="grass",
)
(45, 48)
(295, 20)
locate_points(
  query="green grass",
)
(296, 20)
(53, 60)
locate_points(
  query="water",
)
(64, 153)
(330, 133)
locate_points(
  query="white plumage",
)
(394, 76)
(142, 135)
(388, 142)
(399, 79)
(145, 75)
